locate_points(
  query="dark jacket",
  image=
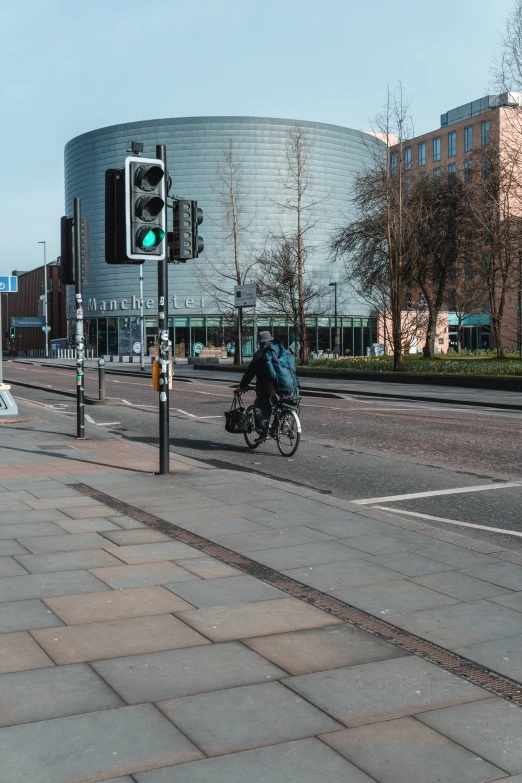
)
(261, 368)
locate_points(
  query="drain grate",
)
(455, 664)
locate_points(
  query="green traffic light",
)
(151, 238)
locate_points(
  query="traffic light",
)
(12, 334)
(145, 208)
(135, 211)
(186, 242)
(67, 251)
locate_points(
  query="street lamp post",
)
(45, 301)
(336, 337)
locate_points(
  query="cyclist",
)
(266, 384)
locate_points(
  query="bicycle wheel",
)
(250, 436)
(288, 433)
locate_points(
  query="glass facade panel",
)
(124, 337)
(112, 336)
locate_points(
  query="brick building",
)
(469, 138)
(27, 303)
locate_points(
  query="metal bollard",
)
(101, 379)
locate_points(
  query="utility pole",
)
(163, 334)
(142, 329)
(80, 344)
(45, 300)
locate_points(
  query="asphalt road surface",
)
(401, 455)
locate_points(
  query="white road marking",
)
(434, 493)
(450, 521)
(193, 415)
(108, 423)
(126, 402)
(89, 419)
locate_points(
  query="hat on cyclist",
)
(265, 337)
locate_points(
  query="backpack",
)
(281, 365)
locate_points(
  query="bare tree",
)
(441, 220)
(277, 279)
(375, 245)
(301, 201)
(234, 260)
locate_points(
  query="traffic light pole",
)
(163, 341)
(80, 344)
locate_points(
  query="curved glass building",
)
(195, 148)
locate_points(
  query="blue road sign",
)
(9, 284)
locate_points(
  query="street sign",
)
(29, 323)
(46, 329)
(245, 295)
(9, 284)
(136, 347)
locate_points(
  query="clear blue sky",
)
(68, 68)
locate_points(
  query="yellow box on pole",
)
(156, 368)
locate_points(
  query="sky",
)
(68, 68)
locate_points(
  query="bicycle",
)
(285, 426)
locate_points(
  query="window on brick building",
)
(394, 162)
(468, 171)
(485, 132)
(468, 138)
(422, 153)
(407, 158)
(436, 149)
(452, 144)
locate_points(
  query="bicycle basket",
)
(236, 419)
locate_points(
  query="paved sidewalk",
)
(217, 625)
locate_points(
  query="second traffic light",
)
(67, 252)
(186, 242)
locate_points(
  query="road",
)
(354, 447)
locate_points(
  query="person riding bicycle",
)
(266, 384)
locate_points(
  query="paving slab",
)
(32, 529)
(500, 655)
(58, 491)
(378, 544)
(223, 527)
(18, 588)
(509, 600)
(245, 511)
(128, 523)
(185, 672)
(223, 623)
(411, 564)
(63, 543)
(209, 568)
(153, 553)
(491, 729)
(115, 605)
(457, 556)
(53, 692)
(406, 751)
(67, 561)
(88, 748)
(503, 574)
(226, 591)
(347, 525)
(19, 651)
(28, 516)
(270, 539)
(26, 615)
(96, 525)
(10, 567)
(350, 573)
(8, 546)
(286, 557)
(238, 719)
(383, 690)
(462, 624)
(391, 598)
(304, 761)
(114, 638)
(143, 575)
(461, 586)
(60, 502)
(319, 649)
(146, 535)
(88, 512)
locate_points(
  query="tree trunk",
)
(459, 336)
(431, 333)
(300, 263)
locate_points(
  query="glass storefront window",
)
(102, 336)
(124, 337)
(112, 336)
